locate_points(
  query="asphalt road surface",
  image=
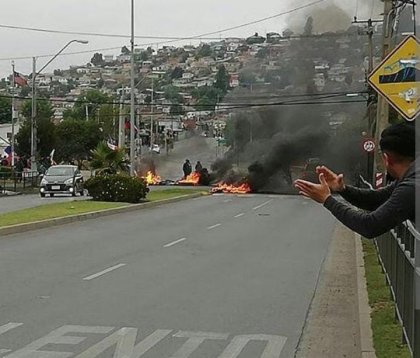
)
(213, 277)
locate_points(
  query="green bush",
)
(117, 188)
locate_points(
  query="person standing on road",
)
(187, 168)
(383, 209)
(198, 167)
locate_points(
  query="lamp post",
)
(33, 115)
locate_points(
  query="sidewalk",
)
(338, 323)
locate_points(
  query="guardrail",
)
(399, 255)
(18, 181)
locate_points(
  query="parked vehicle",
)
(62, 179)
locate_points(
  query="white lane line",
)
(4, 351)
(175, 242)
(262, 205)
(213, 226)
(227, 200)
(91, 277)
(239, 215)
(9, 326)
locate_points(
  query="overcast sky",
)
(153, 17)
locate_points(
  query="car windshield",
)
(60, 171)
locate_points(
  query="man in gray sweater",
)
(383, 209)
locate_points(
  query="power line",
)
(231, 107)
(95, 34)
(197, 37)
(291, 97)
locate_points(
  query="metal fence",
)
(399, 254)
(17, 182)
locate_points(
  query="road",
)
(213, 277)
(196, 148)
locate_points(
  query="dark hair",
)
(399, 139)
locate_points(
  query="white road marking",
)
(6, 328)
(262, 205)
(227, 200)
(239, 215)
(124, 342)
(57, 336)
(9, 326)
(213, 226)
(91, 277)
(194, 341)
(273, 348)
(175, 242)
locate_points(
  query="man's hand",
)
(334, 181)
(318, 192)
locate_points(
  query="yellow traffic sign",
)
(397, 78)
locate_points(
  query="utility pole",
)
(33, 119)
(370, 110)
(12, 140)
(151, 114)
(382, 117)
(132, 108)
(121, 127)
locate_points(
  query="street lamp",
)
(33, 115)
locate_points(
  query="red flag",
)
(20, 80)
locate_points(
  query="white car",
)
(155, 148)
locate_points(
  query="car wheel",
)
(52, 195)
(42, 195)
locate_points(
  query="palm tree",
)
(108, 161)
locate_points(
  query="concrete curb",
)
(366, 340)
(20, 228)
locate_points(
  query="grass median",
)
(387, 331)
(63, 209)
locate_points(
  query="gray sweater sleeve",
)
(398, 208)
(367, 199)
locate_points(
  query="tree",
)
(247, 77)
(58, 73)
(288, 33)
(222, 79)
(309, 26)
(5, 110)
(125, 50)
(45, 130)
(177, 73)
(76, 139)
(93, 99)
(172, 94)
(204, 51)
(212, 94)
(108, 161)
(43, 109)
(97, 59)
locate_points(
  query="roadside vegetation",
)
(387, 332)
(59, 210)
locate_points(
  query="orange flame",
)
(193, 178)
(151, 179)
(232, 189)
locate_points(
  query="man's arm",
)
(367, 199)
(398, 208)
